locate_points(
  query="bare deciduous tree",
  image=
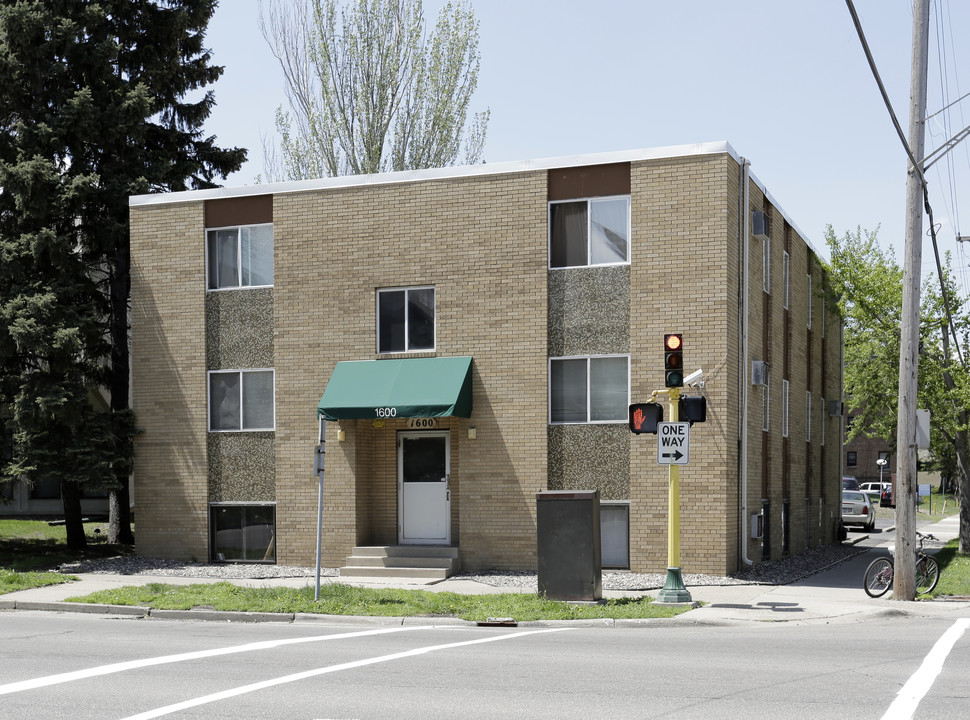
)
(368, 92)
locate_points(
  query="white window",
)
(589, 389)
(589, 232)
(243, 532)
(784, 408)
(787, 267)
(808, 417)
(766, 265)
(810, 301)
(765, 408)
(405, 320)
(239, 256)
(821, 425)
(242, 400)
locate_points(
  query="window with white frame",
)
(238, 257)
(405, 320)
(821, 424)
(765, 408)
(589, 232)
(784, 408)
(766, 265)
(809, 301)
(808, 416)
(243, 532)
(593, 389)
(787, 271)
(242, 400)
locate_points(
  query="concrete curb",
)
(91, 608)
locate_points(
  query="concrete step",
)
(405, 551)
(383, 561)
(409, 573)
(433, 562)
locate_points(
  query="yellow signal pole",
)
(673, 590)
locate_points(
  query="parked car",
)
(886, 499)
(857, 509)
(850, 483)
(873, 489)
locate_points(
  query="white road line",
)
(908, 698)
(181, 657)
(233, 692)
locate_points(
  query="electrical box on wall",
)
(759, 372)
(759, 225)
(757, 525)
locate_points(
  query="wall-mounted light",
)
(472, 433)
(341, 435)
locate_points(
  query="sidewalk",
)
(833, 595)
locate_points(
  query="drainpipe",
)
(745, 360)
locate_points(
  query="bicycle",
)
(879, 574)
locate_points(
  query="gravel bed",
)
(774, 572)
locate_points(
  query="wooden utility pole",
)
(904, 579)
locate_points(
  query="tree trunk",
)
(71, 499)
(119, 503)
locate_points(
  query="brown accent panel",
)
(589, 181)
(249, 210)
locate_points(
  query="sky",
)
(787, 84)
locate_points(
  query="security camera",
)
(695, 379)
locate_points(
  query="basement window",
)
(243, 532)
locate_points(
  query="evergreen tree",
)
(93, 108)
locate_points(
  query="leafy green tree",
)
(367, 93)
(868, 283)
(98, 101)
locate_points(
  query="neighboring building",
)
(523, 305)
(862, 454)
(43, 497)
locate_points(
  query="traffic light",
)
(692, 409)
(645, 416)
(673, 360)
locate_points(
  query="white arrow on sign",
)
(673, 443)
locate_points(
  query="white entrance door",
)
(423, 472)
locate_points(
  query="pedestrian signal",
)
(645, 416)
(692, 409)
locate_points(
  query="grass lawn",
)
(38, 545)
(339, 599)
(29, 548)
(954, 571)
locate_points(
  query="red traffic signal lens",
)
(674, 360)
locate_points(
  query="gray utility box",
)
(568, 543)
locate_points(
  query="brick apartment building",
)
(473, 336)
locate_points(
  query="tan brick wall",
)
(684, 279)
(481, 241)
(169, 380)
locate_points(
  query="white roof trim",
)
(433, 174)
(711, 148)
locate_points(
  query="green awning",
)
(413, 387)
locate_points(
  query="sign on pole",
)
(673, 443)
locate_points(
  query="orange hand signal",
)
(638, 418)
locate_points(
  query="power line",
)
(916, 168)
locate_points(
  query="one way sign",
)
(673, 443)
